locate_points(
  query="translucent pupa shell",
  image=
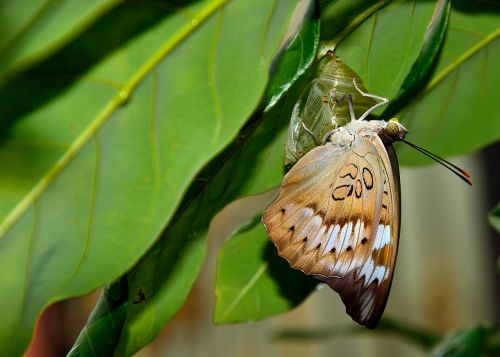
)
(323, 106)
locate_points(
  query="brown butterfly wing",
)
(336, 217)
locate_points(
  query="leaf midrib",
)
(118, 100)
(251, 282)
(461, 59)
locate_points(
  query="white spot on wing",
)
(318, 237)
(343, 231)
(343, 242)
(387, 235)
(371, 272)
(357, 231)
(307, 227)
(307, 212)
(327, 236)
(378, 273)
(317, 221)
(378, 237)
(357, 259)
(348, 232)
(361, 231)
(383, 236)
(332, 238)
(368, 305)
(367, 269)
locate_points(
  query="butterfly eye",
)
(392, 129)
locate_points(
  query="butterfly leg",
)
(384, 100)
(315, 138)
(333, 99)
(351, 109)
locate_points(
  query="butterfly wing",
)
(337, 218)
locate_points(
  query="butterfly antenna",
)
(464, 175)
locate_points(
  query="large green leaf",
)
(31, 29)
(166, 274)
(117, 136)
(156, 287)
(456, 112)
(383, 48)
(419, 74)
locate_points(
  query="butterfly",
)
(337, 214)
(323, 106)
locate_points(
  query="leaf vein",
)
(253, 280)
(213, 78)
(462, 58)
(29, 260)
(369, 49)
(90, 224)
(90, 342)
(154, 130)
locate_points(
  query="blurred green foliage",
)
(481, 340)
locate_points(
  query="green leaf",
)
(384, 47)
(32, 29)
(299, 56)
(339, 18)
(456, 112)
(494, 218)
(117, 137)
(420, 72)
(112, 306)
(164, 276)
(253, 282)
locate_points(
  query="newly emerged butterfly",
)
(338, 212)
(323, 106)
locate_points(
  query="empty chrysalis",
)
(323, 106)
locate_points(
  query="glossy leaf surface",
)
(116, 138)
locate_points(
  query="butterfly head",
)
(393, 131)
